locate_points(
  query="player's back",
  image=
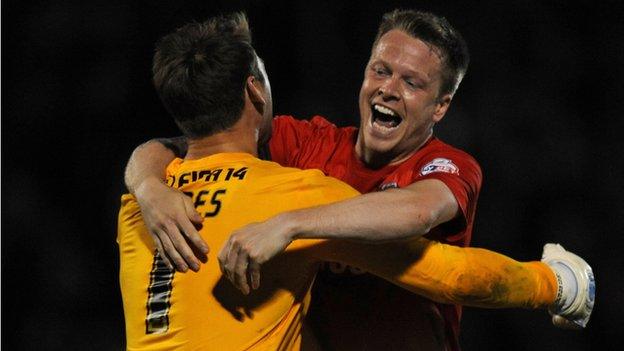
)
(203, 310)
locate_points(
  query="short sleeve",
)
(459, 172)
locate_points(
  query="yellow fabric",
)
(446, 273)
(208, 313)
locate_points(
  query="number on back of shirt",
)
(208, 203)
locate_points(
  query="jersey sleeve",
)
(129, 220)
(447, 273)
(460, 173)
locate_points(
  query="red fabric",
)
(319, 144)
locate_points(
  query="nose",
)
(389, 89)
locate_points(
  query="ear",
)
(254, 90)
(441, 107)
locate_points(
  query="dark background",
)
(540, 109)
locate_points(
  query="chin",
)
(378, 149)
(379, 144)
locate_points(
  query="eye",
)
(413, 84)
(380, 71)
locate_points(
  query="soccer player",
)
(428, 188)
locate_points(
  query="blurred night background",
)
(540, 109)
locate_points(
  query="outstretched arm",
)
(377, 217)
(169, 214)
(387, 227)
(443, 273)
(562, 282)
(448, 274)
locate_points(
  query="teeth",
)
(384, 110)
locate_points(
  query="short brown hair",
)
(437, 32)
(200, 71)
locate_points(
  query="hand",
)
(172, 221)
(251, 246)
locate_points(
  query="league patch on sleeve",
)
(443, 165)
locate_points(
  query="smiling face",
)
(399, 99)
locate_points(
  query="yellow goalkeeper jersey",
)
(203, 311)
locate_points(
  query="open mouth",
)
(385, 117)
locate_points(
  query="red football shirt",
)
(356, 311)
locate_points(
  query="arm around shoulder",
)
(390, 215)
(150, 159)
(169, 215)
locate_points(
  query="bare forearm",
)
(375, 217)
(148, 161)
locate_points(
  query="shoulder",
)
(307, 143)
(174, 167)
(438, 156)
(309, 185)
(324, 189)
(438, 146)
(316, 120)
(315, 124)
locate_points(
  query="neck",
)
(239, 138)
(375, 160)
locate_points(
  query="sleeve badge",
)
(443, 165)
